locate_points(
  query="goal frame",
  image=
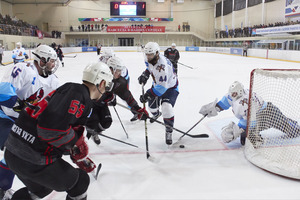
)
(251, 153)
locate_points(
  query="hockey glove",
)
(87, 165)
(144, 77)
(20, 104)
(110, 99)
(143, 114)
(80, 150)
(146, 97)
(210, 109)
(26, 56)
(231, 132)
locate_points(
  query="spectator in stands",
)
(183, 28)
(179, 28)
(82, 27)
(79, 28)
(71, 28)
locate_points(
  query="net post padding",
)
(279, 152)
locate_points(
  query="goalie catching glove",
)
(210, 109)
(231, 132)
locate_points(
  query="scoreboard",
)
(127, 8)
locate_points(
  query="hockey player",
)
(25, 84)
(60, 55)
(1, 53)
(120, 88)
(173, 55)
(53, 127)
(107, 54)
(238, 98)
(19, 54)
(164, 88)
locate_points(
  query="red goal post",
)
(273, 127)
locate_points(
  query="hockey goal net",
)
(273, 125)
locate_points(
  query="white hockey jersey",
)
(28, 85)
(18, 54)
(163, 75)
(240, 106)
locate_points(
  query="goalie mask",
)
(116, 64)
(95, 73)
(47, 60)
(236, 90)
(152, 52)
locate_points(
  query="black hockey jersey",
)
(44, 132)
(172, 54)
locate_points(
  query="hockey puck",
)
(181, 146)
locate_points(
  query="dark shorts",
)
(41, 180)
(170, 96)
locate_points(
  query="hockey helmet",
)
(151, 48)
(108, 53)
(116, 63)
(45, 54)
(236, 90)
(173, 45)
(96, 72)
(18, 44)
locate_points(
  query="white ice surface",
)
(205, 168)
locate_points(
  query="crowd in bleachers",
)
(56, 34)
(247, 31)
(14, 26)
(90, 27)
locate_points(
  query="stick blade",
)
(97, 171)
(153, 159)
(203, 135)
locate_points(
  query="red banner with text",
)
(157, 29)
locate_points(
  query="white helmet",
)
(108, 53)
(173, 45)
(19, 44)
(236, 90)
(46, 54)
(151, 48)
(96, 72)
(116, 63)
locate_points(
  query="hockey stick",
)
(192, 127)
(7, 64)
(121, 122)
(70, 56)
(155, 120)
(146, 130)
(186, 65)
(118, 140)
(96, 171)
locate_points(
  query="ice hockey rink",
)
(206, 168)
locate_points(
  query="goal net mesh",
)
(273, 129)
